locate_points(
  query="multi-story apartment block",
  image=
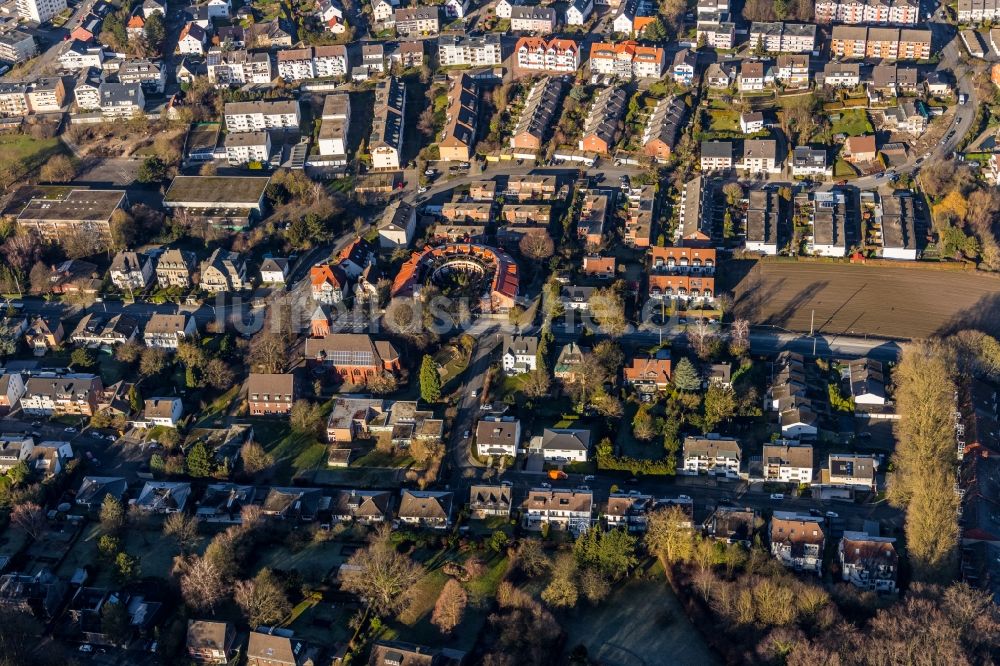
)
(792, 70)
(788, 462)
(781, 37)
(850, 42)
(13, 99)
(417, 21)
(560, 56)
(873, 12)
(39, 11)
(330, 60)
(246, 147)
(17, 46)
(719, 456)
(473, 51)
(262, 115)
(238, 67)
(627, 59)
(869, 562)
(174, 268)
(334, 123)
(716, 30)
(152, 76)
(78, 211)
(540, 20)
(55, 396)
(386, 139)
(296, 64)
(47, 95)
(797, 541)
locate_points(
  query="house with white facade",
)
(498, 436)
(520, 354)
(562, 444)
(712, 454)
(868, 562)
(797, 541)
(788, 462)
(570, 510)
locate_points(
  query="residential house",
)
(868, 562)
(599, 267)
(760, 156)
(99, 330)
(853, 470)
(210, 642)
(716, 156)
(295, 504)
(192, 39)
(11, 390)
(792, 70)
(43, 334)
(712, 454)
(94, 489)
(272, 649)
(350, 417)
(166, 412)
(797, 541)
(685, 67)
(520, 354)
(788, 462)
(600, 129)
(274, 270)
(366, 507)
(223, 271)
(397, 226)
(716, 30)
(17, 46)
(81, 55)
(563, 509)
(238, 67)
(731, 524)
(856, 42)
(563, 444)
(649, 375)
(41, 594)
(417, 20)
(131, 271)
(174, 268)
(270, 393)
(752, 122)
(329, 283)
(867, 381)
(628, 511)
(163, 497)
(168, 331)
(14, 449)
(498, 436)
(579, 11)
(841, 74)
(458, 138)
(426, 508)
(569, 362)
(755, 75)
(720, 76)
(486, 501)
(807, 161)
(386, 139)
(47, 95)
(573, 297)
(538, 114)
(836, 223)
(895, 12)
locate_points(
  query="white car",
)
(422, 190)
(69, 429)
(832, 514)
(777, 496)
(87, 647)
(466, 435)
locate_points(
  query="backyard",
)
(852, 122)
(31, 152)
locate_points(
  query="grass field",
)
(724, 121)
(32, 152)
(640, 624)
(906, 302)
(852, 122)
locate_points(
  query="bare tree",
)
(183, 529)
(307, 418)
(703, 339)
(30, 517)
(668, 534)
(739, 337)
(255, 458)
(536, 383)
(536, 245)
(383, 577)
(269, 351)
(203, 585)
(450, 607)
(262, 600)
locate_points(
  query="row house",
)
(714, 455)
(417, 21)
(531, 188)
(270, 393)
(386, 139)
(539, 20)
(779, 37)
(99, 330)
(856, 42)
(262, 115)
(560, 56)
(166, 331)
(835, 219)
(238, 67)
(569, 510)
(696, 212)
(640, 215)
(677, 260)
(797, 541)
(463, 50)
(469, 212)
(600, 129)
(593, 217)
(662, 129)
(977, 11)
(458, 138)
(538, 114)
(875, 12)
(486, 501)
(57, 396)
(627, 60)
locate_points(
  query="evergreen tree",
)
(190, 379)
(686, 377)
(135, 399)
(199, 464)
(430, 380)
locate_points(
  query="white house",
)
(456, 9)
(714, 455)
(165, 331)
(165, 412)
(852, 470)
(868, 562)
(192, 39)
(498, 436)
(797, 541)
(131, 271)
(398, 225)
(788, 462)
(520, 354)
(867, 382)
(11, 389)
(219, 8)
(562, 444)
(382, 10)
(504, 8)
(274, 270)
(579, 11)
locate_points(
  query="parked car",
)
(69, 429)
(589, 477)
(777, 496)
(832, 514)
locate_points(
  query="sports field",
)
(885, 301)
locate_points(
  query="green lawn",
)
(842, 169)
(23, 148)
(318, 560)
(852, 122)
(724, 121)
(295, 454)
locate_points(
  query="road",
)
(47, 60)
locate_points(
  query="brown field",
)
(885, 301)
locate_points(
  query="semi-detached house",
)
(55, 396)
(563, 509)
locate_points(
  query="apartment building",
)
(39, 11)
(841, 74)
(296, 64)
(600, 129)
(334, 123)
(174, 268)
(78, 211)
(386, 139)
(792, 70)
(788, 462)
(797, 541)
(47, 95)
(779, 37)
(714, 455)
(557, 56)
(875, 12)
(270, 393)
(472, 51)
(13, 99)
(716, 30)
(165, 331)
(238, 67)
(627, 60)
(417, 21)
(246, 147)
(856, 42)
(56, 396)
(716, 156)
(17, 46)
(539, 20)
(262, 115)
(562, 509)
(152, 76)
(538, 114)
(458, 139)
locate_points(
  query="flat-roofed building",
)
(388, 124)
(78, 211)
(262, 115)
(230, 202)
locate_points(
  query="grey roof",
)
(520, 344)
(566, 439)
(534, 13)
(717, 149)
(804, 156)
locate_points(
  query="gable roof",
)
(425, 504)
